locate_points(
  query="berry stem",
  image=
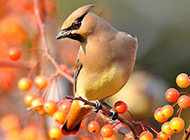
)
(34, 66)
(174, 104)
(178, 112)
(184, 93)
(131, 115)
(32, 49)
(150, 126)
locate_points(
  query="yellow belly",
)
(98, 86)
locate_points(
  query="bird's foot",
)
(98, 106)
(114, 114)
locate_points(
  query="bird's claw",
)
(114, 115)
(98, 106)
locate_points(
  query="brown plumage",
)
(105, 60)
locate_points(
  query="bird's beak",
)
(62, 34)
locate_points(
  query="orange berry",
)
(25, 84)
(172, 95)
(37, 104)
(14, 53)
(166, 129)
(59, 117)
(9, 122)
(28, 99)
(30, 132)
(184, 101)
(182, 80)
(65, 107)
(167, 111)
(146, 135)
(159, 116)
(40, 81)
(93, 127)
(50, 107)
(120, 107)
(107, 131)
(177, 124)
(63, 68)
(162, 136)
(55, 132)
(13, 134)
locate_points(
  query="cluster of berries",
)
(162, 114)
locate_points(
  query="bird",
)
(105, 61)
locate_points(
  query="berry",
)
(146, 135)
(107, 131)
(120, 107)
(182, 80)
(63, 68)
(162, 136)
(184, 101)
(177, 124)
(28, 99)
(50, 107)
(172, 95)
(167, 111)
(30, 132)
(93, 127)
(59, 117)
(14, 53)
(65, 107)
(55, 132)
(166, 129)
(37, 104)
(159, 116)
(24, 84)
(40, 81)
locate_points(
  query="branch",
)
(44, 44)
(17, 64)
(186, 134)
(41, 25)
(131, 125)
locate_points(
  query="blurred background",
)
(163, 32)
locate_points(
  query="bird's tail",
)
(73, 121)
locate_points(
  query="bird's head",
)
(79, 24)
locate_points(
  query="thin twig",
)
(186, 134)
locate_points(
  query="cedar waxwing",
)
(105, 61)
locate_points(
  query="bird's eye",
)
(77, 24)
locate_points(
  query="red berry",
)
(14, 53)
(184, 101)
(107, 131)
(120, 107)
(182, 80)
(172, 95)
(93, 127)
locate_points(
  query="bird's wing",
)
(78, 67)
